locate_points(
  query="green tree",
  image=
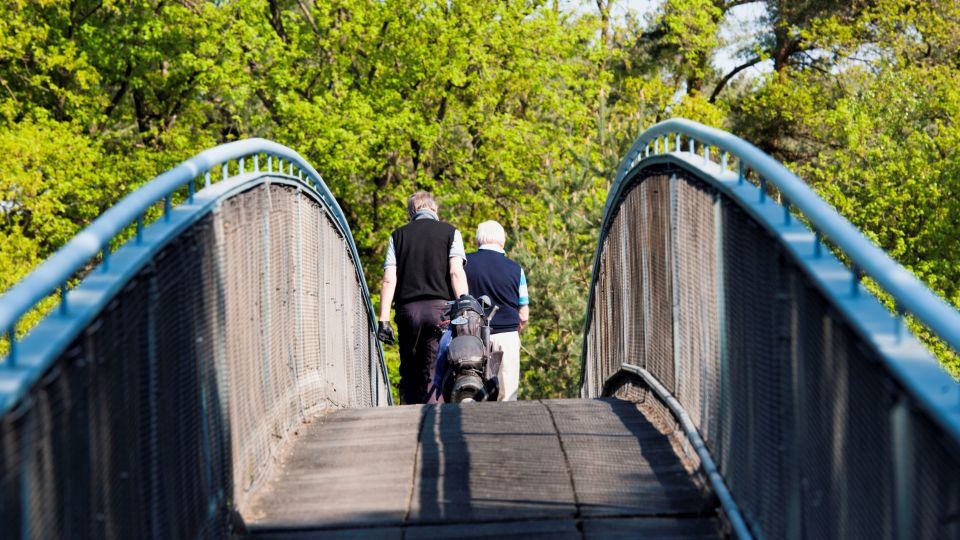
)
(517, 111)
(872, 124)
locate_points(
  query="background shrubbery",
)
(517, 111)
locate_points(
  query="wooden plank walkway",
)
(527, 469)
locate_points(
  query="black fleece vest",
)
(423, 261)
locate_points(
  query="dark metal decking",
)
(551, 469)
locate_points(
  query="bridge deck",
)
(552, 469)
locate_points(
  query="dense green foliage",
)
(516, 111)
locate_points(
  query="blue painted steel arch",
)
(687, 145)
(921, 375)
(255, 160)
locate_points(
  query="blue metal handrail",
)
(909, 293)
(675, 143)
(55, 272)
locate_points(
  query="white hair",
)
(491, 232)
(421, 200)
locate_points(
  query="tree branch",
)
(270, 106)
(276, 21)
(306, 13)
(726, 78)
(124, 85)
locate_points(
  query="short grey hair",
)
(491, 232)
(421, 200)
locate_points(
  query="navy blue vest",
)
(493, 274)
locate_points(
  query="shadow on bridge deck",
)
(551, 469)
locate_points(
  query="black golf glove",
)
(385, 333)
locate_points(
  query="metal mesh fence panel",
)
(310, 370)
(630, 260)
(606, 357)
(698, 341)
(657, 272)
(618, 336)
(588, 372)
(335, 373)
(281, 292)
(174, 401)
(843, 440)
(813, 438)
(360, 341)
(245, 240)
(933, 486)
(119, 426)
(616, 274)
(749, 443)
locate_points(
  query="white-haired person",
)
(490, 272)
(423, 269)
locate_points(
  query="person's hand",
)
(385, 333)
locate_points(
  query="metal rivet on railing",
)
(167, 207)
(763, 190)
(206, 179)
(256, 163)
(139, 229)
(786, 211)
(64, 309)
(817, 245)
(855, 281)
(241, 166)
(741, 177)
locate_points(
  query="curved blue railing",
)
(54, 273)
(926, 381)
(676, 143)
(908, 291)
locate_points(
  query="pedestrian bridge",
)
(209, 368)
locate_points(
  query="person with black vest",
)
(423, 269)
(490, 272)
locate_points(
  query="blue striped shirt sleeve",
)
(524, 299)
